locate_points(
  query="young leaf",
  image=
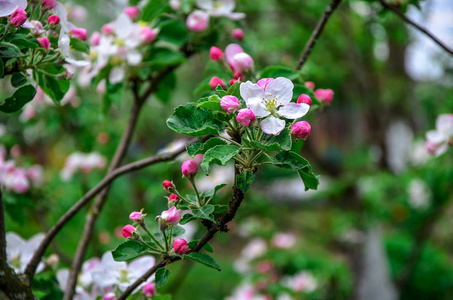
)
(244, 180)
(199, 148)
(211, 193)
(128, 250)
(79, 45)
(205, 212)
(202, 259)
(162, 275)
(234, 90)
(21, 96)
(211, 102)
(220, 154)
(289, 159)
(187, 218)
(191, 121)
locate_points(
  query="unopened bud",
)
(215, 53)
(215, 81)
(304, 98)
(149, 289)
(238, 34)
(180, 246)
(246, 117)
(18, 17)
(230, 104)
(168, 185)
(189, 168)
(128, 231)
(301, 130)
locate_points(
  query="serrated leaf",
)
(244, 180)
(21, 96)
(202, 259)
(279, 71)
(220, 154)
(206, 246)
(205, 212)
(187, 218)
(79, 45)
(211, 102)
(8, 50)
(162, 275)
(211, 193)
(191, 121)
(18, 79)
(234, 90)
(128, 250)
(199, 148)
(290, 159)
(274, 142)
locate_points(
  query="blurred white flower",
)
(419, 194)
(301, 282)
(284, 240)
(437, 141)
(220, 8)
(83, 162)
(19, 252)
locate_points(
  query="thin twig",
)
(419, 27)
(235, 202)
(316, 33)
(138, 165)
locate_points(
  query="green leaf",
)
(274, 142)
(278, 71)
(18, 79)
(220, 208)
(206, 246)
(162, 57)
(211, 102)
(205, 212)
(153, 9)
(234, 90)
(211, 193)
(199, 148)
(21, 96)
(2, 68)
(128, 250)
(187, 218)
(160, 297)
(162, 275)
(54, 88)
(220, 154)
(202, 259)
(8, 50)
(174, 32)
(79, 45)
(177, 231)
(25, 43)
(191, 121)
(290, 159)
(244, 180)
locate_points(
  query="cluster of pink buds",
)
(323, 95)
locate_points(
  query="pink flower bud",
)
(128, 231)
(137, 217)
(242, 62)
(18, 17)
(238, 34)
(215, 81)
(37, 29)
(324, 95)
(45, 43)
(238, 76)
(53, 20)
(301, 130)
(246, 117)
(189, 168)
(304, 98)
(215, 53)
(109, 296)
(232, 81)
(149, 289)
(264, 82)
(79, 33)
(198, 21)
(107, 29)
(173, 199)
(229, 104)
(180, 246)
(48, 4)
(148, 35)
(171, 216)
(168, 185)
(95, 38)
(310, 85)
(132, 12)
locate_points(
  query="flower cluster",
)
(198, 20)
(84, 162)
(107, 278)
(119, 45)
(18, 179)
(437, 141)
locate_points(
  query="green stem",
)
(165, 240)
(157, 251)
(152, 236)
(181, 197)
(229, 140)
(192, 181)
(255, 157)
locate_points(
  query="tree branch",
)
(316, 33)
(221, 225)
(138, 165)
(419, 27)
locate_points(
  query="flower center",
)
(123, 276)
(15, 262)
(271, 104)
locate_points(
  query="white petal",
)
(235, 16)
(7, 8)
(231, 50)
(293, 110)
(139, 266)
(444, 123)
(21, 3)
(272, 125)
(441, 149)
(256, 105)
(14, 245)
(116, 75)
(28, 24)
(282, 89)
(134, 57)
(251, 90)
(62, 278)
(435, 137)
(205, 4)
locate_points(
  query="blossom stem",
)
(192, 182)
(181, 197)
(152, 236)
(155, 250)
(255, 157)
(165, 240)
(230, 140)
